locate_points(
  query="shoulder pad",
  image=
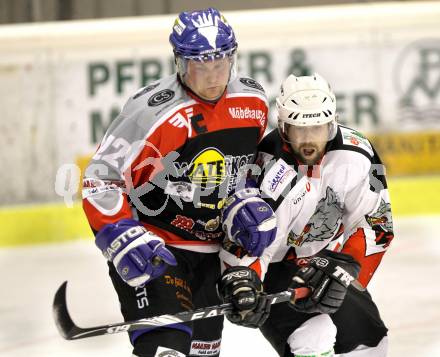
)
(354, 139)
(245, 85)
(162, 93)
(153, 101)
(143, 110)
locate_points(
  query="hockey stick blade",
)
(70, 331)
(61, 315)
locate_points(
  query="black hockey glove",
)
(242, 287)
(328, 274)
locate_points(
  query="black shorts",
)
(189, 285)
(357, 320)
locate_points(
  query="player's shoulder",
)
(147, 107)
(156, 98)
(351, 141)
(273, 145)
(244, 86)
(278, 177)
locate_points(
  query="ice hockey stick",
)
(70, 331)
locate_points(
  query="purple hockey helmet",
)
(202, 35)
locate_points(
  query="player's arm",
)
(241, 282)
(125, 159)
(248, 220)
(250, 227)
(330, 273)
(368, 221)
(243, 272)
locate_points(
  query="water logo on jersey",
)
(324, 223)
(208, 169)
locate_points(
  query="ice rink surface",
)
(406, 289)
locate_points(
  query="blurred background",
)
(67, 67)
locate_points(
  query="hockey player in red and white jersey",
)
(326, 184)
(155, 187)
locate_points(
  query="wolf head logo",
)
(324, 223)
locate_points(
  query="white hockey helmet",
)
(306, 101)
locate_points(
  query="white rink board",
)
(404, 288)
(61, 80)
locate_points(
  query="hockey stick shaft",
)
(70, 331)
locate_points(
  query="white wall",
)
(372, 54)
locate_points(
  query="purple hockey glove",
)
(249, 221)
(137, 254)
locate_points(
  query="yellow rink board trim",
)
(43, 224)
(413, 153)
(58, 223)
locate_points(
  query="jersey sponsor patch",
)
(251, 83)
(247, 113)
(354, 138)
(182, 189)
(205, 348)
(161, 97)
(277, 179)
(92, 187)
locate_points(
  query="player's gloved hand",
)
(249, 221)
(137, 254)
(328, 274)
(242, 287)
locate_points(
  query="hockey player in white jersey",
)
(326, 184)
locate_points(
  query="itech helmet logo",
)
(313, 115)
